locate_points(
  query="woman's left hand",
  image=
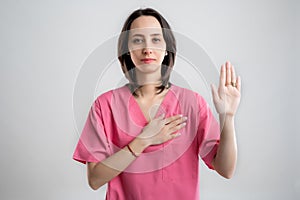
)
(227, 97)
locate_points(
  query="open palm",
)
(227, 97)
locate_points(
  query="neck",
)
(148, 78)
(149, 82)
(148, 90)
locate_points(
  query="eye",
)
(156, 40)
(137, 40)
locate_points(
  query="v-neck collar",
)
(139, 110)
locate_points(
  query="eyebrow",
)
(141, 35)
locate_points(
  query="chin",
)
(148, 68)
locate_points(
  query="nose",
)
(147, 51)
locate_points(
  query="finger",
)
(176, 128)
(175, 135)
(172, 136)
(233, 76)
(228, 73)
(160, 119)
(177, 122)
(238, 83)
(161, 116)
(222, 76)
(171, 119)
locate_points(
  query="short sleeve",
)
(93, 145)
(208, 134)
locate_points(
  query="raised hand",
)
(227, 97)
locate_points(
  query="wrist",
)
(226, 116)
(229, 117)
(138, 145)
(132, 151)
(225, 119)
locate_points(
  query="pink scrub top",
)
(161, 172)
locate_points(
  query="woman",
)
(144, 139)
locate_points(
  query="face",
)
(146, 44)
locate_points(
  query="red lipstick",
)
(147, 60)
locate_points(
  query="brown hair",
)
(125, 59)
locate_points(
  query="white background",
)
(43, 45)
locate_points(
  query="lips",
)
(147, 60)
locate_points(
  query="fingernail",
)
(183, 124)
(184, 118)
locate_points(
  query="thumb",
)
(214, 92)
(162, 116)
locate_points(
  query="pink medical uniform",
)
(161, 172)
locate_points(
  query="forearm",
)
(102, 172)
(225, 160)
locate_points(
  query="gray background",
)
(43, 45)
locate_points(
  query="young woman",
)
(145, 138)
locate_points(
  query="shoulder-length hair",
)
(123, 51)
